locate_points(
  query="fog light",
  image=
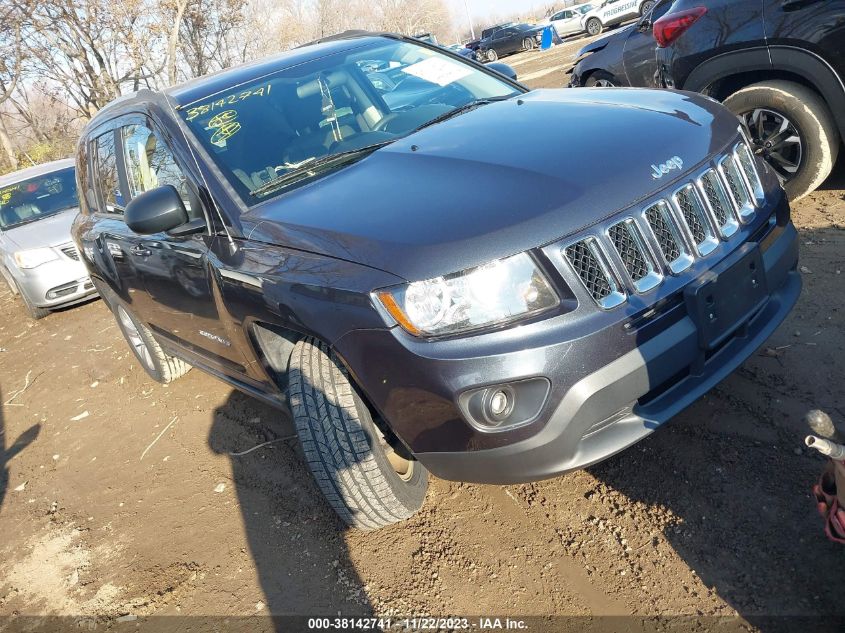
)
(498, 403)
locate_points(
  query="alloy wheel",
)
(775, 139)
(134, 336)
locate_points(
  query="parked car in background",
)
(568, 21)
(510, 39)
(625, 57)
(341, 266)
(778, 64)
(38, 259)
(612, 12)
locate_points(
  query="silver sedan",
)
(37, 257)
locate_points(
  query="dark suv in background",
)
(375, 267)
(778, 64)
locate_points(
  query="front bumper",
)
(55, 284)
(610, 384)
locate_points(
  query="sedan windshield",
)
(30, 200)
(301, 122)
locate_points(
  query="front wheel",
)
(792, 129)
(492, 55)
(646, 7)
(365, 480)
(34, 312)
(594, 26)
(528, 44)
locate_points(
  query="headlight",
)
(495, 293)
(34, 257)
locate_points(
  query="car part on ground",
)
(505, 343)
(829, 492)
(38, 261)
(777, 64)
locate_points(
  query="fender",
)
(725, 65)
(798, 61)
(817, 71)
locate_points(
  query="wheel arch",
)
(725, 74)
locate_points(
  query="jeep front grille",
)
(586, 260)
(746, 162)
(632, 255)
(636, 260)
(720, 204)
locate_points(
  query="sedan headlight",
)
(496, 293)
(34, 257)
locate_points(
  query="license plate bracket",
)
(723, 299)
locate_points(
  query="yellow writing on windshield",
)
(7, 193)
(231, 99)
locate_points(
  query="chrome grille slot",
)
(749, 169)
(586, 259)
(693, 214)
(629, 244)
(720, 204)
(660, 221)
(71, 252)
(737, 188)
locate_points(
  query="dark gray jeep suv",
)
(434, 286)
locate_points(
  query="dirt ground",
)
(120, 497)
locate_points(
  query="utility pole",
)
(469, 19)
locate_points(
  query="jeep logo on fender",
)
(664, 168)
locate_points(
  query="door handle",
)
(794, 5)
(140, 251)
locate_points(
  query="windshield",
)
(340, 105)
(30, 200)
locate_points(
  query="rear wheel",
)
(492, 55)
(601, 79)
(161, 367)
(367, 482)
(792, 129)
(646, 7)
(594, 26)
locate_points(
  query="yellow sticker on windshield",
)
(225, 127)
(228, 100)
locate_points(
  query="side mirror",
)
(156, 211)
(503, 69)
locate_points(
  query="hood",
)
(603, 41)
(50, 231)
(497, 180)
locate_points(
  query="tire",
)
(492, 55)
(32, 310)
(763, 107)
(601, 79)
(528, 44)
(593, 26)
(344, 449)
(160, 366)
(646, 7)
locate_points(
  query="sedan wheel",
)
(492, 55)
(647, 6)
(528, 44)
(594, 26)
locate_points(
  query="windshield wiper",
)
(471, 105)
(314, 166)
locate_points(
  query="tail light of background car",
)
(672, 25)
